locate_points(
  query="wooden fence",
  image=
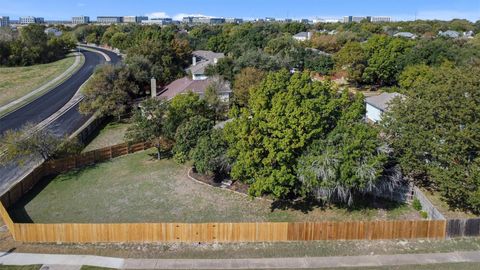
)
(208, 232)
(58, 166)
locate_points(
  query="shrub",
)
(416, 204)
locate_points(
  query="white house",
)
(303, 36)
(377, 105)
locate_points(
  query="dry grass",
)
(16, 82)
(449, 213)
(139, 188)
(112, 134)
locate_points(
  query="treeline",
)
(32, 46)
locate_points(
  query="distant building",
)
(58, 22)
(303, 36)
(109, 19)
(377, 105)
(449, 34)
(80, 20)
(469, 34)
(357, 19)
(200, 61)
(134, 19)
(158, 21)
(4, 21)
(270, 19)
(306, 21)
(31, 20)
(53, 31)
(405, 35)
(234, 20)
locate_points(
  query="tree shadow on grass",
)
(307, 205)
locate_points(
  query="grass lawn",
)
(139, 188)
(113, 133)
(436, 199)
(16, 267)
(16, 82)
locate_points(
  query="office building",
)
(31, 19)
(158, 21)
(109, 19)
(234, 20)
(349, 19)
(134, 19)
(80, 20)
(4, 21)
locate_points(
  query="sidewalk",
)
(268, 263)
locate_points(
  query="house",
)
(53, 31)
(405, 35)
(200, 61)
(469, 34)
(377, 105)
(199, 87)
(303, 36)
(449, 34)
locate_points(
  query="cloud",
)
(178, 17)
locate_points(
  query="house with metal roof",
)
(449, 34)
(303, 36)
(405, 35)
(377, 105)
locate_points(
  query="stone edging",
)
(227, 189)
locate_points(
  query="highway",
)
(45, 106)
(49, 103)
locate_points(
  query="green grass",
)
(442, 206)
(443, 266)
(23, 267)
(112, 134)
(139, 188)
(16, 82)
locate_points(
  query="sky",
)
(248, 9)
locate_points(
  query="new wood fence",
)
(207, 232)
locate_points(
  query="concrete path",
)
(74, 261)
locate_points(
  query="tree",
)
(213, 97)
(386, 57)
(351, 161)
(148, 125)
(353, 58)
(188, 134)
(285, 114)
(182, 108)
(109, 92)
(247, 78)
(28, 141)
(434, 132)
(210, 154)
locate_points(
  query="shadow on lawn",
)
(17, 212)
(306, 205)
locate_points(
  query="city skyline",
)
(406, 10)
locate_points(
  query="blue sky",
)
(398, 9)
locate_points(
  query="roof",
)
(204, 59)
(382, 101)
(449, 33)
(404, 34)
(186, 84)
(301, 35)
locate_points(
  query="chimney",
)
(309, 35)
(194, 61)
(153, 85)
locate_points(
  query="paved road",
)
(46, 105)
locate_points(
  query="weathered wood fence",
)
(208, 232)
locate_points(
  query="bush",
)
(416, 204)
(424, 214)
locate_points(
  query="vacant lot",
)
(112, 134)
(16, 82)
(139, 188)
